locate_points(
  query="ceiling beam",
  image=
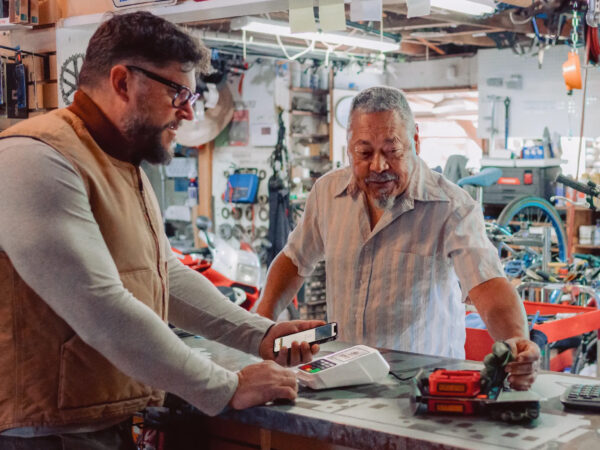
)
(519, 3)
(433, 47)
(411, 49)
(479, 41)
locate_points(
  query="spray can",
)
(192, 190)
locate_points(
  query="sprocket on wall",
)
(69, 76)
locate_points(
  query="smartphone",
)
(317, 335)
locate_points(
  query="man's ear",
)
(120, 82)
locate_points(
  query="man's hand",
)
(300, 352)
(261, 383)
(525, 366)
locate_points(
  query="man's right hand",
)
(263, 382)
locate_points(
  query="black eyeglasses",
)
(184, 94)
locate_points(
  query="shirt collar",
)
(102, 130)
(344, 182)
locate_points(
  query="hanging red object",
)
(594, 45)
(571, 69)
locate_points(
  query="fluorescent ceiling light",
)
(282, 29)
(475, 8)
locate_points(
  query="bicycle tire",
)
(519, 204)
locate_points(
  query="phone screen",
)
(311, 336)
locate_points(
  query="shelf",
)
(577, 208)
(310, 136)
(6, 25)
(310, 91)
(296, 112)
(587, 246)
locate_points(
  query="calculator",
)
(582, 396)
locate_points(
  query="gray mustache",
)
(381, 178)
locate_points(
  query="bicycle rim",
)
(537, 211)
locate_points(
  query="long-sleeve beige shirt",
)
(50, 235)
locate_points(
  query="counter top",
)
(379, 415)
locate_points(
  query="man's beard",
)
(383, 200)
(146, 140)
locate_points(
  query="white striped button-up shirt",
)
(403, 284)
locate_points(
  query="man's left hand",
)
(524, 368)
(300, 352)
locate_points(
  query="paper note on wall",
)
(332, 15)
(417, 8)
(365, 10)
(302, 16)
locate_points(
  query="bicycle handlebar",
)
(589, 189)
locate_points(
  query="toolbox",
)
(519, 181)
(242, 186)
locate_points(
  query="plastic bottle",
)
(597, 233)
(192, 190)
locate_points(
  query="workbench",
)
(378, 416)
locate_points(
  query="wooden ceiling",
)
(444, 32)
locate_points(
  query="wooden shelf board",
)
(309, 91)
(296, 112)
(587, 246)
(310, 136)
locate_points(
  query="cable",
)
(404, 379)
(310, 48)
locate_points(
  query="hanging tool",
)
(492, 118)
(506, 122)
(16, 88)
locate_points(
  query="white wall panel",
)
(542, 101)
(437, 73)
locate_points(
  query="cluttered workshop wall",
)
(245, 146)
(536, 93)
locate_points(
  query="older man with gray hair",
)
(404, 248)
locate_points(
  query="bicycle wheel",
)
(534, 211)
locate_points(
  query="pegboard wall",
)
(253, 93)
(538, 96)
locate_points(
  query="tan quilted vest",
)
(48, 375)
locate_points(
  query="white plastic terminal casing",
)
(355, 365)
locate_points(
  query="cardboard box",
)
(50, 95)
(35, 96)
(53, 70)
(24, 13)
(35, 67)
(34, 12)
(49, 11)
(14, 11)
(315, 149)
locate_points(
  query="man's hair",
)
(140, 37)
(383, 98)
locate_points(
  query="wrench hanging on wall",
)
(506, 120)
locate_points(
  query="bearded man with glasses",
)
(87, 278)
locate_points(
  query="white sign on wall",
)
(538, 96)
(71, 44)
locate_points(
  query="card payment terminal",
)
(355, 365)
